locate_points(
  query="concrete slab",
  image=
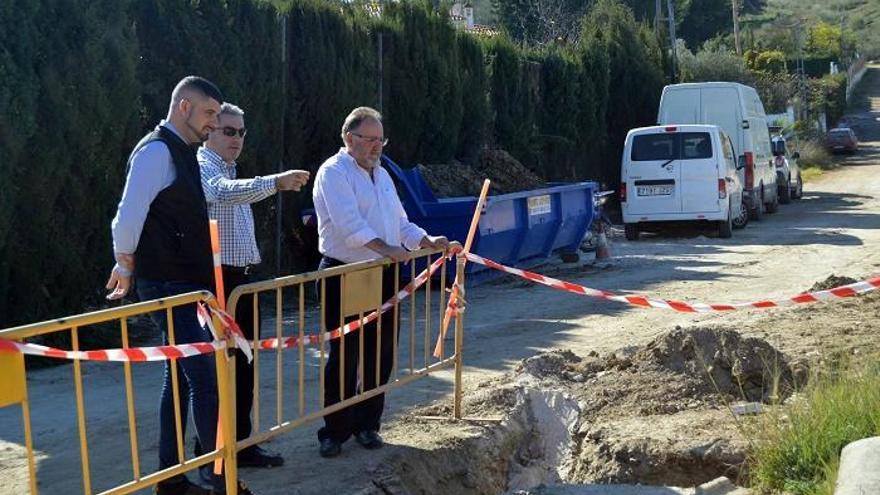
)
(719, 486)
(859, 472)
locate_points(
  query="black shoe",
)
(183, 487)
(369, 439)
(243, 489)
(330, 448)
(254, 456)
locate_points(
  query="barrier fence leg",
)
(459, 344)
(13, 390)
(226, 398)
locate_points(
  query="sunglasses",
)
(232, 131)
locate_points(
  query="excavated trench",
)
(654, 415)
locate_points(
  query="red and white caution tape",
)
(848, 290)
(409, 289)
(138, 354)
(229, 324)
(162, 353)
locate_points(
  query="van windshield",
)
(671, 146)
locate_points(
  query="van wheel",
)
(631, 230)
(798, 192)
(742, 220)
(757, 213)
(773, 206)
(725, 227)
(785, 193)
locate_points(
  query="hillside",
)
(860, 16)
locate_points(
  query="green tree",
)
(513, 96)
(636, 80)
(539, 22)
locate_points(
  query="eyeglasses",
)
(372, 139)
(232, 131)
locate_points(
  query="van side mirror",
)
(796, 155)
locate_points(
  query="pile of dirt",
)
(831, 282)
(738, 367)
(458, 179)
(652, 414)
(676, 371)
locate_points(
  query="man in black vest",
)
(161, 237)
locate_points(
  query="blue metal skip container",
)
(515, 229)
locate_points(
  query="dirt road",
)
(834, 229)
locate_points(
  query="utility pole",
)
(379, 68)
(658, 16)
(672, 39)
(801, 73)
(279, 205)
(735, 6)
(843, 56)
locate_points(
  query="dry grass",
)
(814, 154)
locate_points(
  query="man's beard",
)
(201, 135)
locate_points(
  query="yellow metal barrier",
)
(360, 295)
(13, 390)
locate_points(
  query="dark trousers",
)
(197, 378)
(366, 415)
(244, 371)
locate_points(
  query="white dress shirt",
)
(354, 208)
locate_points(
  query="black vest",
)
(175, 244)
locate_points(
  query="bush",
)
(71, 84)
(513, 95)
(713, 65)
(828, 95)
(814, 153)
(635, 79)
(772, 61)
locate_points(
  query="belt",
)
(240, 270)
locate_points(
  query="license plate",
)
(654, 190)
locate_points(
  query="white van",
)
(738, 110)
(676, 173)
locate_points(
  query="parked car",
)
(842, 139)
(788, 173)
(738, 110)
(680, 173)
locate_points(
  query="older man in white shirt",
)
(360, 217)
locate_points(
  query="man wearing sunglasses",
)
(162, 224)
(229, 199)
(360, 217)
